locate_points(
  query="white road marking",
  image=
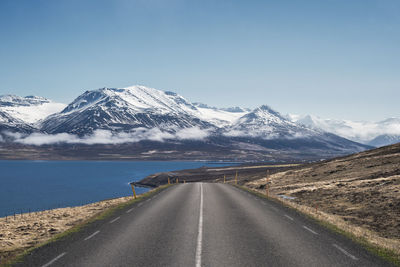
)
(275, 209)
(140, 204)
(308, 229)
(200, 231)
(116, 219)
(55, 259)
(129, 210)
(265, 204)
(92, 235)
(345, 252)
(290, 218)
(148, 200)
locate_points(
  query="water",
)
(39, 185)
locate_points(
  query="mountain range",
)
(377, 134)
(152, 121)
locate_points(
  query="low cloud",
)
(194, 133)
(108, 137)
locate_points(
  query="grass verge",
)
(20, 255)
(387, 254)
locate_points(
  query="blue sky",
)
(332, 58)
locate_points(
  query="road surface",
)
(203, 224)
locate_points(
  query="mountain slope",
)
(151, 121)
(359, 131)
(268, 128)
(125, 109)
(29, 109)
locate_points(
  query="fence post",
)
(133, 190)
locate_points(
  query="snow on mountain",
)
(358, 131)
(28, 109)
(125, 109)
(138, 113)
(266, 123)
(220, 117)
(384, 140)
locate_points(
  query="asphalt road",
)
(203, 224)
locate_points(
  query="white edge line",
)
(290, 218)
(345, 252)
(308, 229)
(116, 219)
(129, 210)
(54, 260)
(140, 204)
(275, 209)
(200, 230)
(92, 235)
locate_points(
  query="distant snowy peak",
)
(136, 98)
(379, 133)
(220, 117)
(266, 123)
(229, 109)
(384, 140)
(29, 109)
(16, 101)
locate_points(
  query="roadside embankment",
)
(359, 194)
(30, 229)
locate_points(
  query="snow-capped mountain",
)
(140, 114)
(29, 109)
(125, 109)
(379, 133)
(277, 131)
(266, 123)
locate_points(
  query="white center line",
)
(345, 252)
(290, 218)
(308, 229)
(200, 231)
(55, 259)
(92, 235)
(129, 210)
(116, 219)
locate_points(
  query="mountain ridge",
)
(108, 116)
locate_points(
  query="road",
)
(203, 224)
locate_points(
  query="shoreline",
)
(30, 230)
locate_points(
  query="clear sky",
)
(332, 58)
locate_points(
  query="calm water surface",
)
(38, 185)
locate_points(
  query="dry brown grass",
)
(359, 194)
(30, 229)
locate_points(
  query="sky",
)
(333, 58)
